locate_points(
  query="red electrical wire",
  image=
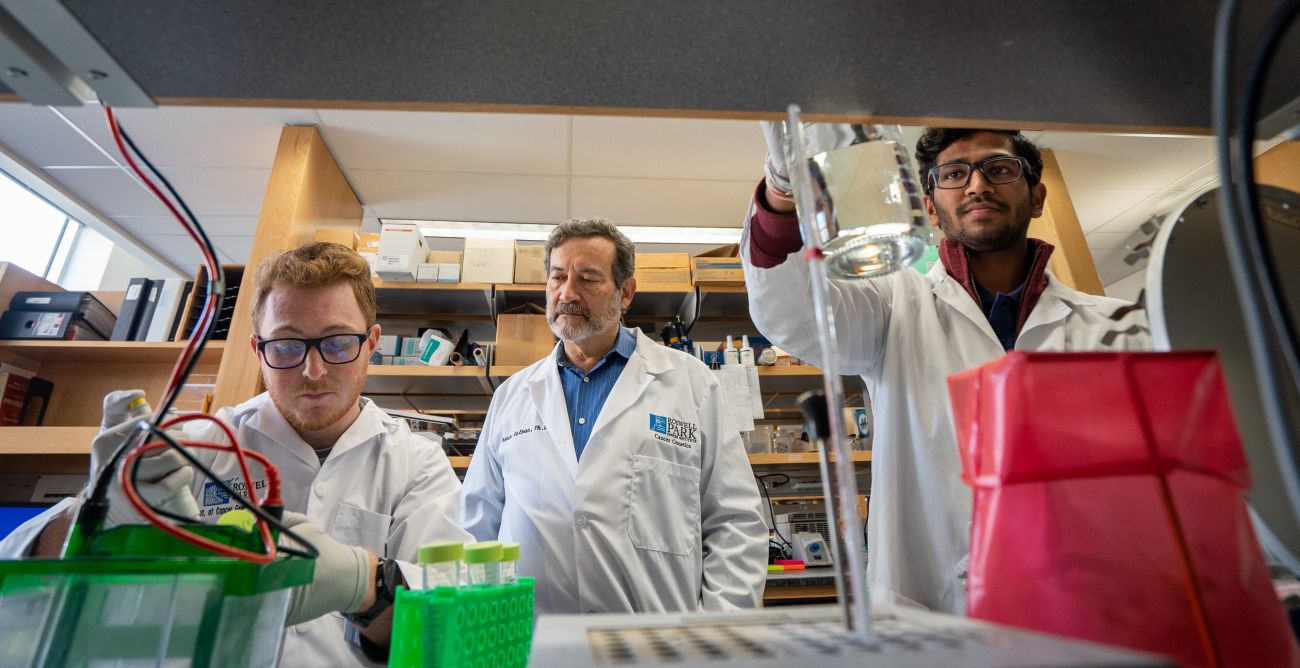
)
(132, 495)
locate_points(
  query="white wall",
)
(95, 263)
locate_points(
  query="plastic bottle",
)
(484, 563)
(746, 353)
(441, 564)
(729, 354)
(509, 562)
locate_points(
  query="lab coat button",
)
(581, 520)
(320, 489)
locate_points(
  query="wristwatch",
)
(387, 578)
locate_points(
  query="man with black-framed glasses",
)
(906, 332)
(355, 481)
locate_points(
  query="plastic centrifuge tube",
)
(509, 562)
(441, 564)
(484, 562)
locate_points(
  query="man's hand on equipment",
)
(343, 580)
(776, 175)
(163, 477)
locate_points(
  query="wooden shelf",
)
(807, 592)
(784, 458)
(419, 379)
(434, 301)
(46, 450)
(110, 351)
(459, 463)
(381, 284)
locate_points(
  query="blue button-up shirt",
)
(1003, 312)
(585, 392)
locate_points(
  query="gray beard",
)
(595, 324)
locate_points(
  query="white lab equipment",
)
(435, 349)
(812, 549)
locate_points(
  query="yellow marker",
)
(136, 402)
(238, 518)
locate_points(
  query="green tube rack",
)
(141, 597)
(477, 626)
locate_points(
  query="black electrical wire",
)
(771, 508)
(1245, 250)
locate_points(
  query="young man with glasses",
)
(905, 332)
(355, 482)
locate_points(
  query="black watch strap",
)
(388, 576)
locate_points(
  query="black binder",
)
(129, 318)
(148, 304)
(88, 309)
(46, 325)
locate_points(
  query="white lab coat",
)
(650, 520)
(905, 333)
(381, 488)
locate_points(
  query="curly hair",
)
(934, 141)
(313, 265)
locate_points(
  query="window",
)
(37, 235)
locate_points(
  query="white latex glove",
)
(164, 476)
(342, 577)
(820, 137)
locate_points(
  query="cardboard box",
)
(663, 269)
(368, 242)
(528, 264)
(409, 347)
(338, 235)
(401, 250)
(449, 273)
(443, 257)
(488, 261)
(373, 260)
(523, 337)
(426, 273)
(720, 266)
(388, 344)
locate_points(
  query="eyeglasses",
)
(287, 353)
(998, 170)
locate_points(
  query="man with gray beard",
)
(613, 461)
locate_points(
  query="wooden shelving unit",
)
(109, 351)
(795, 458)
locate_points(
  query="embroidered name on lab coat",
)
(677, 432)
(525, 430)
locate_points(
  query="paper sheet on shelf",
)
(755, 393)
(735, 393)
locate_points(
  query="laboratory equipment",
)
(509, 562)
(860, 195)
(1192, 305)
(451, 627)
(441, 564)
(807, 637)
(483, 563)
(812, 549)
(674, 335)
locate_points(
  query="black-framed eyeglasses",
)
(998, 170)
(287, 353)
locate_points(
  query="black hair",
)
(934, 141)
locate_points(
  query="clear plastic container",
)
(441, 564)
(483, 561)
(509, 562)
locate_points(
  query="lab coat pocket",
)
(664, 506)
(364, 528)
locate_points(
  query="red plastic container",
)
(1108, 506)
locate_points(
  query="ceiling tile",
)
(178, 249)
(40, 137)
(234, 249)
(213, 225)
(1111, 266)
(469, 197)
(109, 190)
(221, 192)
(679, 148)
(1096, 207)
(196, 136)
(663, 202)
(1162, 202)
(450, 142)
(1127, 162)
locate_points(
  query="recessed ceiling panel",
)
(40, 137)
(470, 197)
(663, 202)
(667, 148)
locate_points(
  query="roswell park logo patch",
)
(669, 430)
